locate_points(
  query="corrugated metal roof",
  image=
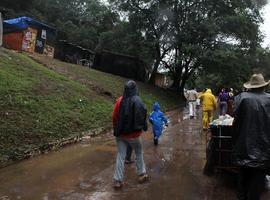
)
(21, 23)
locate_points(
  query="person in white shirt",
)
(191, 96)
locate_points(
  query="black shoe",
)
(118, 185)
(155, 142)
(129, 161)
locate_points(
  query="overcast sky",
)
(265, 28)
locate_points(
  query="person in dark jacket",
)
(230, 102)
(129, 121)
(252, 137)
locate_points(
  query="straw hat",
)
(256, 81)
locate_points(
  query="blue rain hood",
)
(157, 119)
(156, 106)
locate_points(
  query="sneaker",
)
(118, 185)
(143, 178)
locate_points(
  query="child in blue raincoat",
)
(157, 119)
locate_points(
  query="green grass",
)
(39, 105)
(111, 83)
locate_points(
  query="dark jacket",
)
(252, 130)
(132, 112)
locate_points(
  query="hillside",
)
(43, 100)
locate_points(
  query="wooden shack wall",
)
(121, 65)
(71, 53)
(13, 40)
(160, 80)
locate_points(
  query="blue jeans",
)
(223, 107)
(129, 153)
(136, 144)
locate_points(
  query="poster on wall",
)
(48, 51)
(1, 30)
(40, 41)
(43, 34)
(29, 40)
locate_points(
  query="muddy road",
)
(84, 171)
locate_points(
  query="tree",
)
(174, 34)
(200, 26)
(79, 21)
(225, 67)
(149, 18)
(193, 28)
(261, 62)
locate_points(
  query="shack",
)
(161, 80)
(72, 53)
(119, 64)
(27, 34)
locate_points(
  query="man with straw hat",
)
(252, 137)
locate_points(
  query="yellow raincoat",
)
(209, 104)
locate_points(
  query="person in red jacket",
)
(129, 122)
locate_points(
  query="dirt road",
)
(84, 171)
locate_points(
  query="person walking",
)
(191, 96)
(223, 98)
(129, 122)
(230, 102)
(252, 137)
(209, 104)
(157, 119)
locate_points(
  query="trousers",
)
(192, 108)
(122, 144)
(207, 118)
(250, 183)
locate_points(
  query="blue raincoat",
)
(157, 119)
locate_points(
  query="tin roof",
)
(22, 23)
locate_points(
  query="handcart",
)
(219, 149)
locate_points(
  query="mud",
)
(84, 171)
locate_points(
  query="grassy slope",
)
(110, 83)
(39, 105)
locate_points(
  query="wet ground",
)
(84, 171)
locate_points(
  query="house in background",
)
(27, 34)
(161, 80)
(68, 52)
(122, 65)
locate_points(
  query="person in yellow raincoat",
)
(209, 104)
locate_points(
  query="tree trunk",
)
(154, 71)
(182, 86)
(156, 65)
(184, 79)
(177, 76)
(176, 81)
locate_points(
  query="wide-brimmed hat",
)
(256, 81)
